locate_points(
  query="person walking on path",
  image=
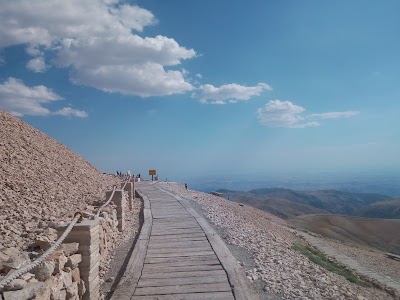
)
(185, 185)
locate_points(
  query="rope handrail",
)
(78, 216)
(106, 203)
(111, 196)
(126, 181)
(41, 259)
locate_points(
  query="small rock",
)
(15, 285)
(73, 261)
(72, 291)
(81, 288)
(67, 278)
(16, 261)
(44, 271)
(30, 290)
(70, 248)
(76, 275)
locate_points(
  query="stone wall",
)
(57, 278)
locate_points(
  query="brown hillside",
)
(389, 209)
(382, 234)
(41, 180)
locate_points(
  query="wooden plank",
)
(175, 226)
(178, 238)
(160, 222)
(236, 275)
(184, 274)
(166, 225)
(164, 217)
(188, 253)
(159, 265)
(158, 282)
(182, 269)
(176, 231)
(190, 288)
(174, 220)
(187, 244)
(178, 250)
(191, 296)
(179, 259)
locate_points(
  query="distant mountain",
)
(389, 209)
(288, 203)
(382, 234)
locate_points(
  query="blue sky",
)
(197, 88)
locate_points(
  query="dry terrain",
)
(287, 203)
(382, 234)
(278, 267)
(389, 209)
(41, 181)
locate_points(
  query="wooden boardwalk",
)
(178, 256)
(180, 262)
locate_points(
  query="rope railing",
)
(106, 203)
(77, 218)
(40, 260)
(126, 181)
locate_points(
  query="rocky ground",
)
(277, 268)
(369, 258)
(42, 184)
(41, 181)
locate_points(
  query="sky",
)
(208, 88)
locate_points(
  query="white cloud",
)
(277, 113)
(198, 75)
(334, 115)
(68, 111)
(229, 93)
(36, 64)
(96, 37)
(19, 99)
(147, 80)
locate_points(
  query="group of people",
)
(121, 174)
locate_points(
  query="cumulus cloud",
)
(229, 93)
(68, 111)
(99, 41)
(277, 113)
(19, 99)
(36, 64)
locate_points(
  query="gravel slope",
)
(41, 180)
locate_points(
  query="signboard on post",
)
(152, 173)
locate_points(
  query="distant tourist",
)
(185, 185)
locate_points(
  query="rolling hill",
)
(382, 234)
(288, 203)
(389, 209)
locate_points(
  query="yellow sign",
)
(152, 172)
